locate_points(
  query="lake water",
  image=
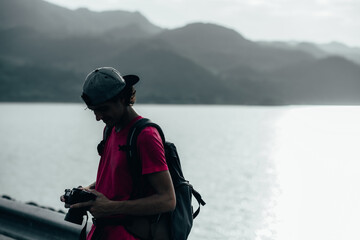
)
(272, 173)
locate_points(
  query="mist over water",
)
(265, 172)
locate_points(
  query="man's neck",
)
(129, 115)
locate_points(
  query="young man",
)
(111, 96)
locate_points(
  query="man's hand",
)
(91, 186)
(100, 207)
(88, 188)
(62, 199)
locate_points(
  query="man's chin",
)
(108, 123)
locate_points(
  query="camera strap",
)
(83, 231)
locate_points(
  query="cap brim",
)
(131, 79)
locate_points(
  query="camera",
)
(77, 195)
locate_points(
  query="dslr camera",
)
(77, 195)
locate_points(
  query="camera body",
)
(77, 195)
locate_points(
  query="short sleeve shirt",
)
(114, 179)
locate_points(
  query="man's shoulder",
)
(149, 132)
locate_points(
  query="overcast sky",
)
(319, 21)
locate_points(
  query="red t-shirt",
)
(114, 179)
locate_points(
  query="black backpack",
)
(181, 219)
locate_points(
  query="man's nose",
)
(98, 116)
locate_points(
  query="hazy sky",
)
(319, 21)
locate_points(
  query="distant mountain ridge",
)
(57, 21)
(47, 51)
(321, 50)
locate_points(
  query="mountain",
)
(219, 48)
(332, 80)
(46, 51)
(169, 77)
(320, 50)
(57, 21)
(339, 49)
(38, 83)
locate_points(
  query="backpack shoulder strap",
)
(136, 129)
(199, 199)
(132, 154)
(106, 134)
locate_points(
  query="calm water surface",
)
(265, 172)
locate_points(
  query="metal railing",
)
(23, 221)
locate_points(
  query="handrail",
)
(24, 221)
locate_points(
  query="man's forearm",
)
(153, 204)
(163, 200)
(91, 186)
(144, 206)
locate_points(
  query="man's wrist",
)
(91, 186)
(115, 207)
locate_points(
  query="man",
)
(111, 97)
